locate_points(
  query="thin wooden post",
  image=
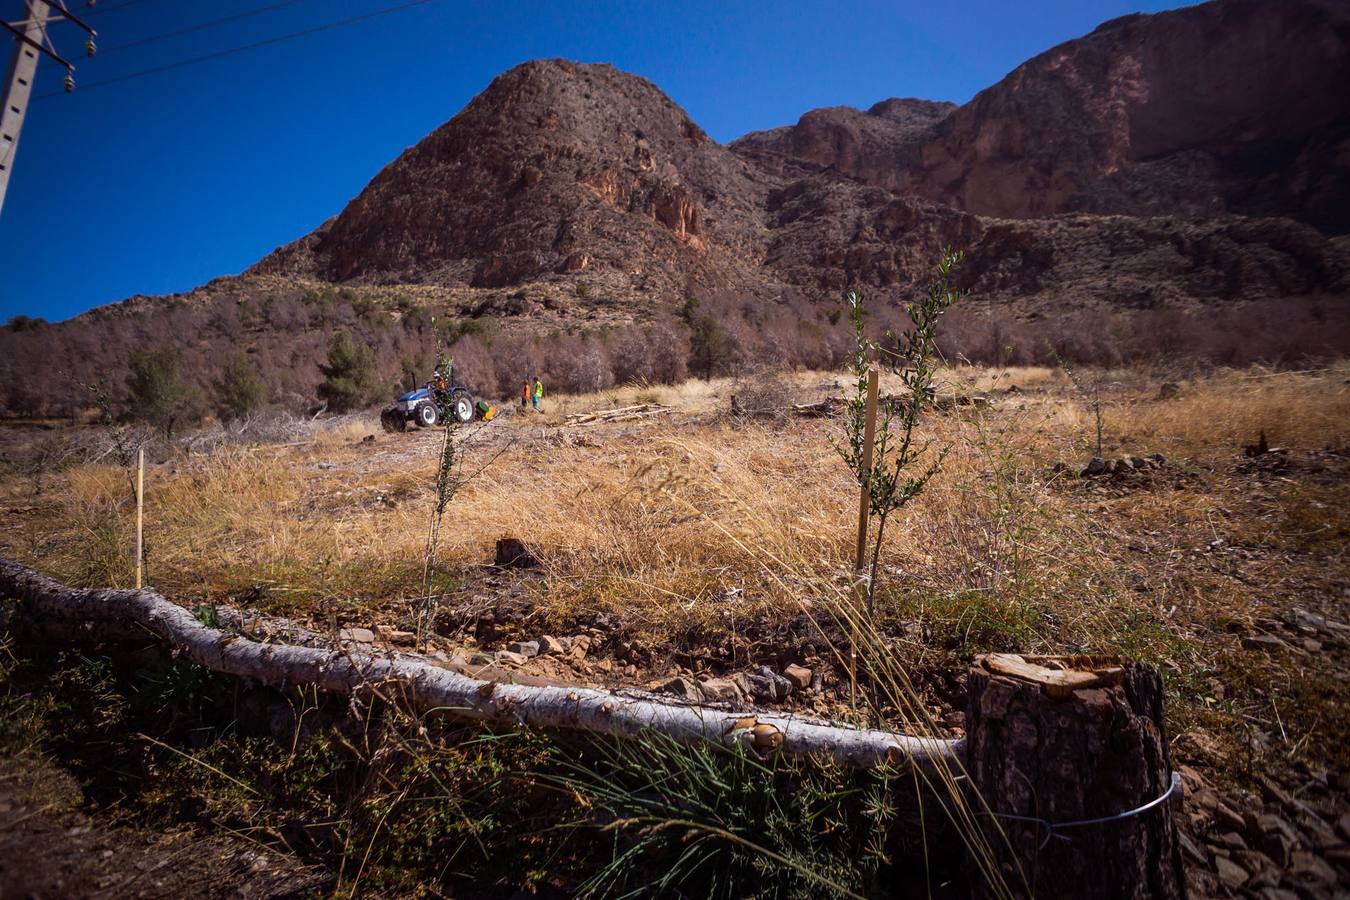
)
(862, 590)
(865, 500)
(140, 512)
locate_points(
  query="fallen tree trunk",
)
(115, 614)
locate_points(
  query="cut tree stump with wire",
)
(1070, 756)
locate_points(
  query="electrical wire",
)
(100, 10)
(189, 29)
(231, 51)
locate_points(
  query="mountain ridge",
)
(572, 211)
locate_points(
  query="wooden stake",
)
(140, 511)
(865, 500)
(864, 509)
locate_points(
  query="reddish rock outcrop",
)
(553, 160)
(1225, 107)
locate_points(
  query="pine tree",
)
(240, 390)
(350, 380)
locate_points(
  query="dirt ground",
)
(51, 846)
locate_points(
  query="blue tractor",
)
(429, 406)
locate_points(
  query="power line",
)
(192, 61)
(189, 29)
(100, 10)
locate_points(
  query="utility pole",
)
(30, 41)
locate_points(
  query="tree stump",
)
(512, 553)
(1062, 741)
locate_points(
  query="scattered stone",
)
(1271, 835)
(721, 690)
(581, 645)
(1266, 642)
(1264, 872)
(767, 685)
(551, 646)
(394, 636)
(1230, 873)
(1232, 840)
(511, 659)
(1201, 746)
(682, 688)
(800, 676)
(1310, 871)
(1094, 468)
(357, 635)
(478, 660)
(1273, 793)
(1191, 851)
(527, 649)
(1302, 618)
(1274, 893)
(1228, 818)
(1320, 834)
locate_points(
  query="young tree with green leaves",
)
(892, 480)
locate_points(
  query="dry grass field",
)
(692, 531)
(693, 543)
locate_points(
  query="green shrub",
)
(156, 393)
(240, 390)
(350, 380)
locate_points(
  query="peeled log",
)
(91, 613)
(1062, 741)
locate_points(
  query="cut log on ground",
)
(830, 406)
(620, 414)
(1055, 745)
(113, 614)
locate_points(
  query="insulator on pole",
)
(70, 82)
(90, 47)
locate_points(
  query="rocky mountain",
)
(1235, 106)
(557, 168)
(1186, 172)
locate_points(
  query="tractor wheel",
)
(461, 407)
(426, 415)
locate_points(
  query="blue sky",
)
(158, 184)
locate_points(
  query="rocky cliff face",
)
(560, 173)
(1226, 107)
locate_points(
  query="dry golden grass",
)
(694, 524)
